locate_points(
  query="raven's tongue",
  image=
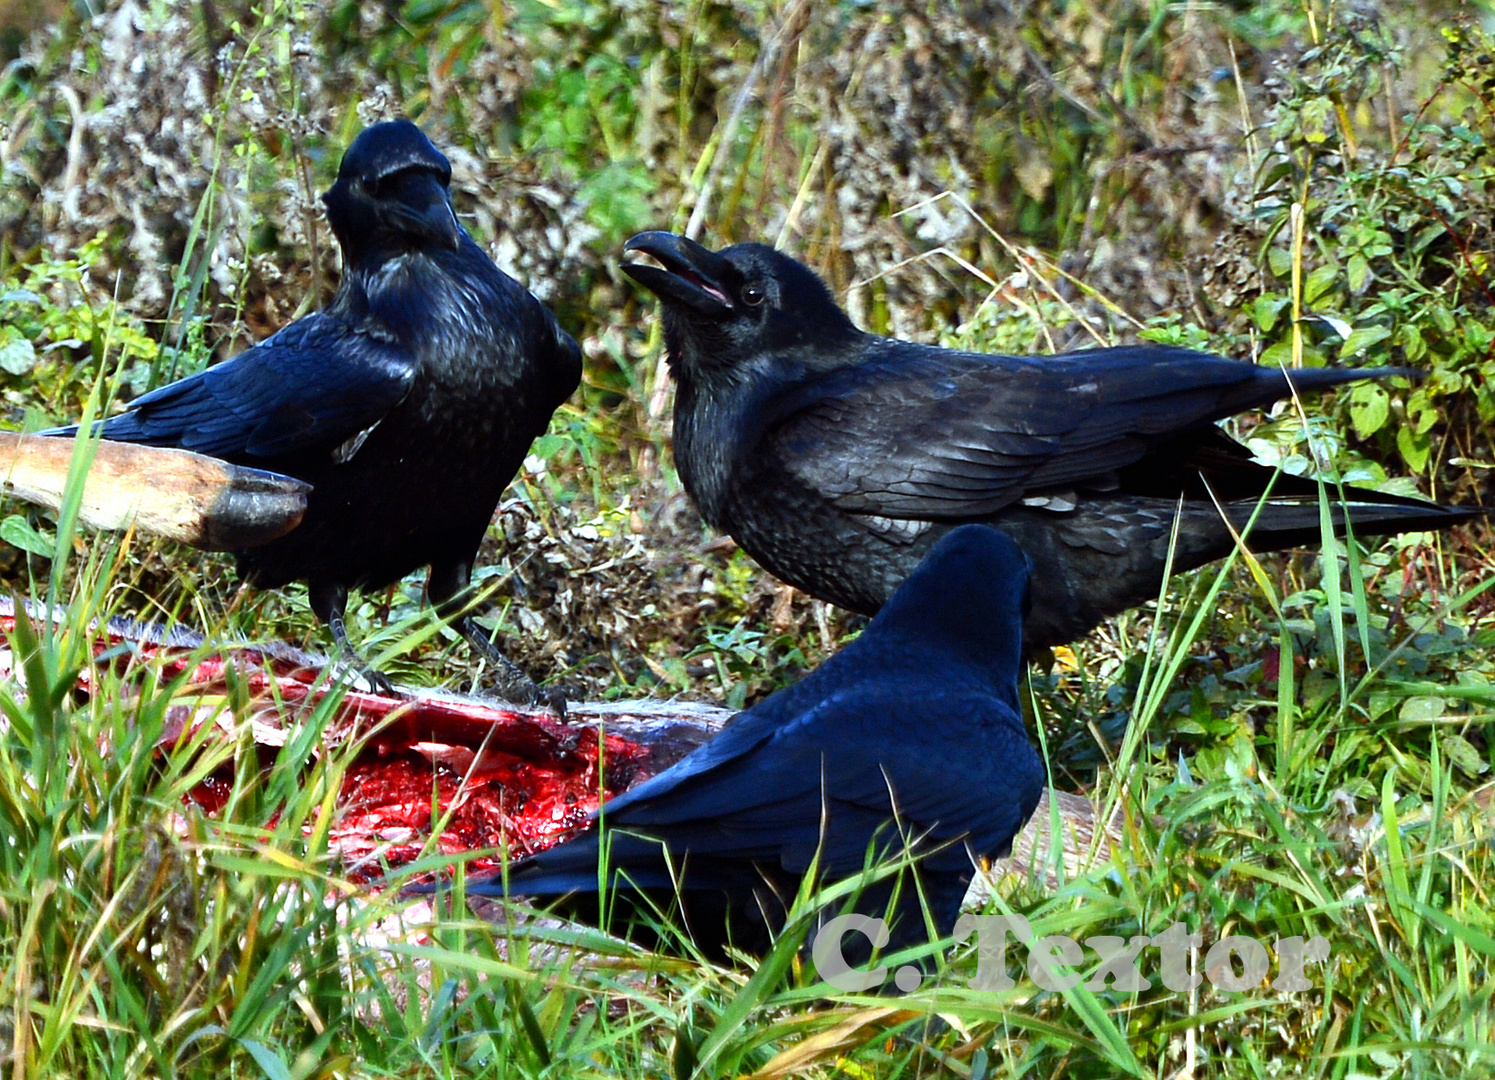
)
(684, 273)
(705, 286)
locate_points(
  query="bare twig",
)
(745, 94)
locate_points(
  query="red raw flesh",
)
(519, 782)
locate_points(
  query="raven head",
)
(391, 195)
(970, 593)
(737, 306)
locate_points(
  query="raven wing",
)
(312, 386)
(926, 433)
(758, 790)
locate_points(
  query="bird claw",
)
(520, 689)
(367, 680)
(511, 683)
(552, 698)
(378, 682)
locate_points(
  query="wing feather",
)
(752, 797)
(312, 386)
(917, 432)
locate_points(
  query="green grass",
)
(145, 938)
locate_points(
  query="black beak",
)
(688, 273)
(425, 207)
(417, 203)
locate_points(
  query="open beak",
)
(687, 273)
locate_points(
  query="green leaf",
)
(1422, 414)
(1462, 753)
(1422, 710)
(547, 446)
(17, 354)
(1314, 119)
(1357, 270)
(18, 532)
(1414, 448)
(1276, 172)
(1362, 338)
(1411, 340)
(1266, 310)
(1426, 235)
(1319, 282)
(1395, 864)
(683, 1060)
(1278, 355)
(270, 1062)
(1370, 405)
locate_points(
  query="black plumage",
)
(408, 403)
(924, 704)
(836, 458)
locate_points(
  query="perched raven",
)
(913, 728)
(836, 458)
(408, 403)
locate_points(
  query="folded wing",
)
(312, 386)
(926, 433)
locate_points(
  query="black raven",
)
(912, 732)
(836, 458)
(408, 403)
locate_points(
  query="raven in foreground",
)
(916, 720)
(408, 403)
(836, 458)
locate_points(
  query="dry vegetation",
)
(1309, 748)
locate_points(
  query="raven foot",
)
(328, 602)
(512, 684)
(351, 669)
(520, 689)
(377, 681)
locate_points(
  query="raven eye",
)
(752, 294)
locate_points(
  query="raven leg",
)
(328, 603)
(445, 586)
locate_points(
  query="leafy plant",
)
(1384, 237)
